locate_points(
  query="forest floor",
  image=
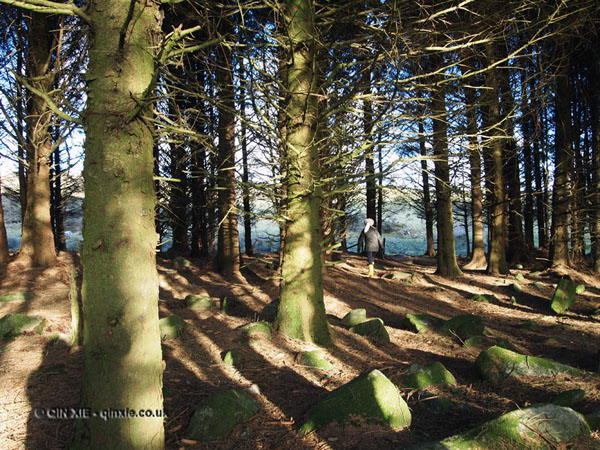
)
(43, 371)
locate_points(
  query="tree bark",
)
(497, 243)
(426, 194)
(122, 352)
(4, 255)
(301, 312)
(228, 246)
(37, 239)
(478, 259)
(446, 256)
(563, 161)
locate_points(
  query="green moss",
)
(371, 396)
(399, 276)
(355, 317)
(171, 327)
(200, 302)
(257, 330)
(180, 261)
(421, 323)
(564, 296)
(484, 298)
(537, 285)
(373, 329)
(519, 277)
(464, 326)
(569, 398)
(420, 377)
(220, 413)
(316, 358)
(231, 357)
(530, 428)
(13, 325)
(516, 287)
(579, 289)
(17, 297)
(496, 363)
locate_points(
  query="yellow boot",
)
(371, 270)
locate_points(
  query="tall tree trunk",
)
(301, 312)
(578, 192)
(595, 143)
(371, 189)
(4, 255)
(446, 256)
(563, 160)
(122, 352)
(526, 130)
(178, 189)
(58, 217)
(245, 174)
(517, 248)
(426, 194)
(228, 246)
(199, 176)
(497, 243)
(37, 240)
(478, 260)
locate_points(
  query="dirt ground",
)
(43, 371)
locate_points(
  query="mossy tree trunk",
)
(301, 312)
(122, 353)
(446, 256)
(228, 247)
(563, 160)
(37, 239)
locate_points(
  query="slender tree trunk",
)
(301, 312)
(37, 240)
(245, 173)
(446, 256)
(122, 352)
(380, 191)
(371, 189)
(563, 160)
(578, 192)
(426, 194)
(497, 243)
(58, 218)
(178, 189)
(478, 260)
(517, 248)
(228, 247)
(4, 255)
(526, 129)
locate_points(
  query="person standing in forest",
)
(371, 240)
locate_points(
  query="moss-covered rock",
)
(464, 326)
(171, 326)
(516, 287)
(355, 317)
(373, 329)
(315, 358)
(569, 398)
(220, 413)
(580, 289)
(370, 397)
(419, 377)
(537, 427)
(519, 277)
(564, 296)
(231, 357)
(200, 302)
(181, 261)
(399, 276)
(537, 285)
(257, 330)
(421, 323)
(484, 298)
(13, 325)
(496, 363)
(17, 297)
